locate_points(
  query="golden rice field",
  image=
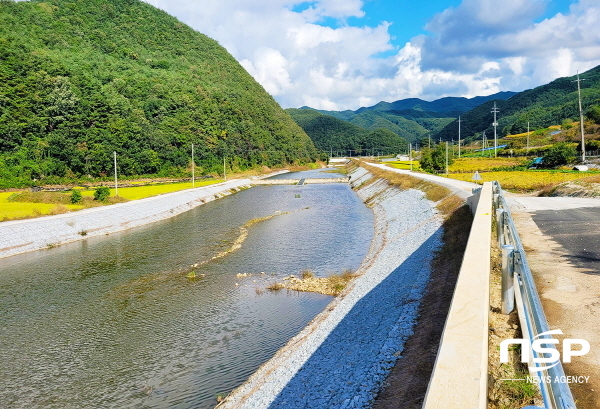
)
(404, 164)
(141, 192)
(526, 180)
(24, 210)
(16, 210)
(466, 165)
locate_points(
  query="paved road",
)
(577, 231)
(563, 251)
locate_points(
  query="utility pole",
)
(527, 136)
(459, 136)
(410, 155)
(581, 118)
(495, 124)
(484, 143)
(116, 185)
(224, 170)
(446, 157)
(193, 168)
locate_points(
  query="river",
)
(126, 320)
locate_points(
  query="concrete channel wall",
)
(459, 378)
(21, 236)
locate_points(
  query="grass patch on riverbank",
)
(433, 192)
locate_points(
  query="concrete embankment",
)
(341, 359)
(21, 236)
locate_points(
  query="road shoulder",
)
(571, 301)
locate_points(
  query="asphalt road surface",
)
(577, 231)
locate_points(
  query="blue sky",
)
(344, 54)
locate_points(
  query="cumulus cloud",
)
(478, 31)
(478, 48)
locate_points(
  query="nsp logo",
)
(546, 354)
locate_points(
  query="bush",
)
(434, 160)
(560, 154)
(76, 196)
(102, 193)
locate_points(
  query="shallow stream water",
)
(125, 320)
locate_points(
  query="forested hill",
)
(542, 106)
(412, 118)
(339, 137)
(81, 79)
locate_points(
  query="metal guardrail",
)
(518, 285)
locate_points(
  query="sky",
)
(346, 54)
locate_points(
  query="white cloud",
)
(477, 48)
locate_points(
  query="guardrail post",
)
(500, 225)
(508, 272)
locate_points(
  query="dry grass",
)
(449, 205)
(504, 393)
(276, 287)
(433, 192)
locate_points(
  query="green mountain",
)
(412, 118)
(338, 137)
(81, 79)
(542, 106)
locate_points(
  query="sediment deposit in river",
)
(341, 359)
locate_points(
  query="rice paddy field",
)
(523, 181)
(18, 210)
(141, 192)
(50, 203)
(404, 164)
(501, 169)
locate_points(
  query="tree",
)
(593, 114)
(434, 160)
(560, 154)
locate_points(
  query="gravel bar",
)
(341, 359)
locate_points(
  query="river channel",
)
(126, 320)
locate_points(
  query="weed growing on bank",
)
(433, 192)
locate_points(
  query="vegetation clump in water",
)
(332, 285)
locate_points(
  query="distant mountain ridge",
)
(444, 105)
(411, 118)
(539, 107)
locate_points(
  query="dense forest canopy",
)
(81, 79)
(339, 137)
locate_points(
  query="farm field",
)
(19, 210)
(55, 201)
(404, 164)
(524, 180)
(142, 192)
